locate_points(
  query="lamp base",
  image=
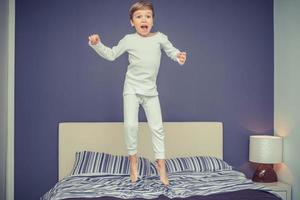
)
(265, 173)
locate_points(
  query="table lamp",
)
(265, 150)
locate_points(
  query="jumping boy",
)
(144, 54)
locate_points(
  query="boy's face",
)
(142, 21)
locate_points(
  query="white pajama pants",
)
(152, 110)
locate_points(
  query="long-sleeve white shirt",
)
(144, 54)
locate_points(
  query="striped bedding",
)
(182, 185)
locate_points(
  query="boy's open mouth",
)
(144, 27)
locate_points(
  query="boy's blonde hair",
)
(139, 5)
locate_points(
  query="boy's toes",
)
(165, 180)
(133, 178)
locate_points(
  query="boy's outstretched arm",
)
(172, 52)
(104, 51)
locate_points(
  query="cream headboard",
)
(181, 139)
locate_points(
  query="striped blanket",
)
(183, 184)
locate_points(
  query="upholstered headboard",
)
(182, 139)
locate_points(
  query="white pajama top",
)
(144, 55)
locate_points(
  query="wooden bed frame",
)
(181, 139)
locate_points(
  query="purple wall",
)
(228, 76)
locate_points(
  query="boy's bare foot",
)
(161, 168)
(133, 168)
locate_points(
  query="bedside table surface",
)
(282, 189)
(277, 185)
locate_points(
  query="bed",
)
(195, 165)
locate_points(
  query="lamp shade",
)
(265, 149)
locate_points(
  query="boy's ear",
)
(131, 23)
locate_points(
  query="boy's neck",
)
(148, 35)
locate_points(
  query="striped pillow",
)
(153, 169)
(194, 164)
(97, 163)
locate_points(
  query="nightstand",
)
(282, 189)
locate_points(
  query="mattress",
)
(220, 185)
